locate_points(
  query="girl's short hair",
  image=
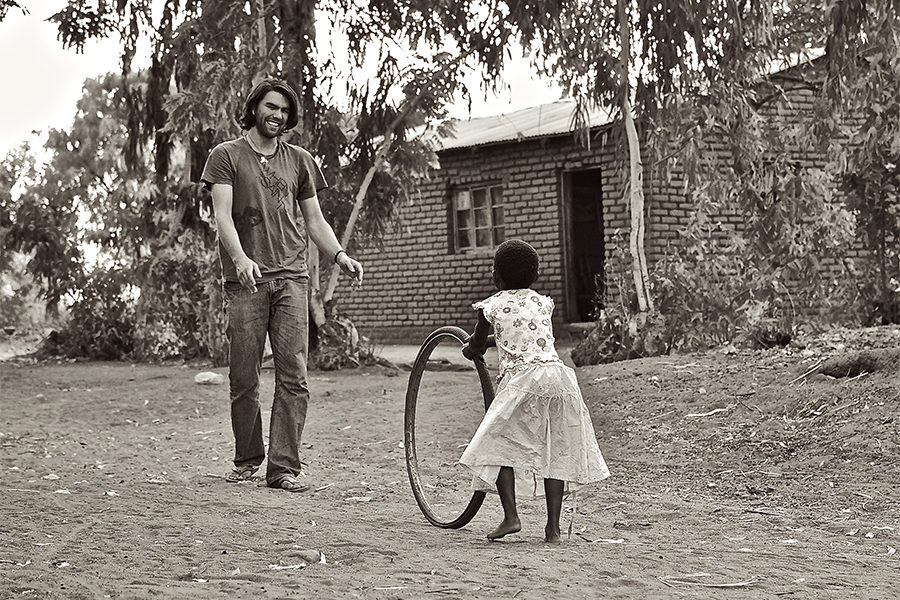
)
(516, 262)
(246, 119)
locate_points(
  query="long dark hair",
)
(246, 119)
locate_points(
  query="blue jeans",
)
(280, 309)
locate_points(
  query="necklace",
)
(263, 158)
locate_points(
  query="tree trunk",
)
(885, 292)
(258, 8)
(635, 187)
(359, 200)
(335, 271)
(188, 161)
(297, 19)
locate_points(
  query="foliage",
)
(871, 175)
(763, 218)
(160, 244)
(733, 280)
(5, 5)
(38, 220)
(123, 178)
(134, 155)
(16, 169)
(101, 324)
(172, 315)
(769, 236)
(20, 302)
(798, 228)
(618, 335)
(337, 345)
(622, 331)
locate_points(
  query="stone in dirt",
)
(209, 378)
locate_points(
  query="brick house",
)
(520, 175)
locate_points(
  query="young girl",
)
(538, 426)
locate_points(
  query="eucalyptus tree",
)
(686, 75)
(83, 175)
(678, 71)
(7, 5)
(866, 83)
(204, 55)
(32, 220)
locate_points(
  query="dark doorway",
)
(587, 250)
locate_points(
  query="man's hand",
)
(247, 272)
(350, 267)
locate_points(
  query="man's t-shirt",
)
(266, 205)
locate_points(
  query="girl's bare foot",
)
(505, 528)
(551, 535)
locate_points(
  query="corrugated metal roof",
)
(539, 121)
(555, 118)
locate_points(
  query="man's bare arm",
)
(324, 238)
(247, 270)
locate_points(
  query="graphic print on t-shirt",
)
(275, 186)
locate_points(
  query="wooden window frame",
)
(483, 207)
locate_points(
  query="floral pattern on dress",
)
(522, 321)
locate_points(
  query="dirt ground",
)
(735, 474)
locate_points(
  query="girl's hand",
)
(472, 352)
(476, 344)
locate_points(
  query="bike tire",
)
(409, 425)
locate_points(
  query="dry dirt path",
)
(111, 487)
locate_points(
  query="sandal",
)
(290, 483)
(239, 474)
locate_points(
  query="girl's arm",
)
(477, 343)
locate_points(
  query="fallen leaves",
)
(710, 413)
(600, 540)
(307, 557)
(692, 579)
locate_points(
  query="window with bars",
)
(477, 214)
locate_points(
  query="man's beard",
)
(263, 129)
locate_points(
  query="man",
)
(264, 198)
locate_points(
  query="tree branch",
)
(358, 201)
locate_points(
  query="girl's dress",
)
(538, 423)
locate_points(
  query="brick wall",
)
(415, 284)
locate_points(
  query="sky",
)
(43, 82)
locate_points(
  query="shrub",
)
(101, 320)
